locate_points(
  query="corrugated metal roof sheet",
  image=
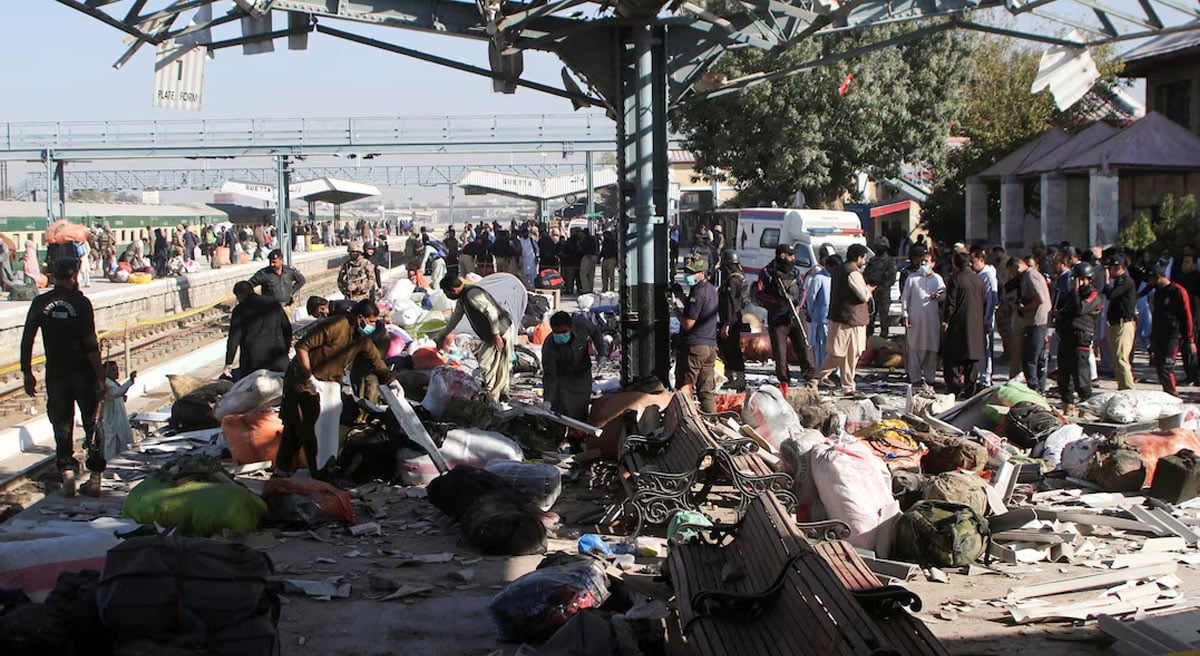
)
(1089, 137)
(1154, 142)
(1168, 44)
(1027, 154)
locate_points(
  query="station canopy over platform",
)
(335, 191)
(527, 187)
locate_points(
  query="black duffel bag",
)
(1028, 423)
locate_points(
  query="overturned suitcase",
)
(1177, 477)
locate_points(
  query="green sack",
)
(199, 509)
(1010, 394)
(940, 534)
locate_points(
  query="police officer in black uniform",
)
(74, 376)
(731, 303)
(1075, 324)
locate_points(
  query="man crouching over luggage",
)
(312, 394)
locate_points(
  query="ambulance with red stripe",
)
(761, 229)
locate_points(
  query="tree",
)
(1176, 221)
(815, 131)
(1000, 116)
(1136, 234)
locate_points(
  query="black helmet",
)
(1083, 270)
(1113, 260)
(730, 256)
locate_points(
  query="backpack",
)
(1028, 423)
(169, 588)
(880, 271)
(548, 279)
(941, 534)
(959, 487)
(537, 308)
(194, 411)
(19, 292)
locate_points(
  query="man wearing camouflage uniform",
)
(356, 279)
(106, 248)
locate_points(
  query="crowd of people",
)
(1075, 313)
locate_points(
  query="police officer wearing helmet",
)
(731, 303)
(1075, 324)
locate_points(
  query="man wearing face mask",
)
(493, 326)
(312, 395)
(923, 291)
(567, 364)
(698, 335)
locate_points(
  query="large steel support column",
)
(48, 159)
(590, 164)
(60, 174)
(283, 218)
(642, 166)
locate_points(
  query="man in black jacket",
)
(781, 291)
(1189, 279)
(881, 272)
(278, 281)
(1172, 327)
(962, 325)
(74, 376)
(731, 302)
(260, 329)
(1122, 318)
(1075, 324)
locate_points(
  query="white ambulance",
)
(761, 229)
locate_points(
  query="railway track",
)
(148, 346)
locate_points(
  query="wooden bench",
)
(736, 457)
(759, 587)
(676, 467)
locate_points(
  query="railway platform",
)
(119, 306)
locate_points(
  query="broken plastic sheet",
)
(328, 421)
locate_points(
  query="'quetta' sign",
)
(179, 76)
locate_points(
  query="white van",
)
(761, 229)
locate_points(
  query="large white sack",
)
(446, 384)
(1077, 456)
(406, 313)
(1052, 447)
(773, 417)
(463, 446)
(509, 291)
(401, 290)
(1130, 406)
(258, 391)
(855, 487)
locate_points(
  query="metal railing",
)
(337, 132)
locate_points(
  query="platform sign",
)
(179, 76)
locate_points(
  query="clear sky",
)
(58, 67)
